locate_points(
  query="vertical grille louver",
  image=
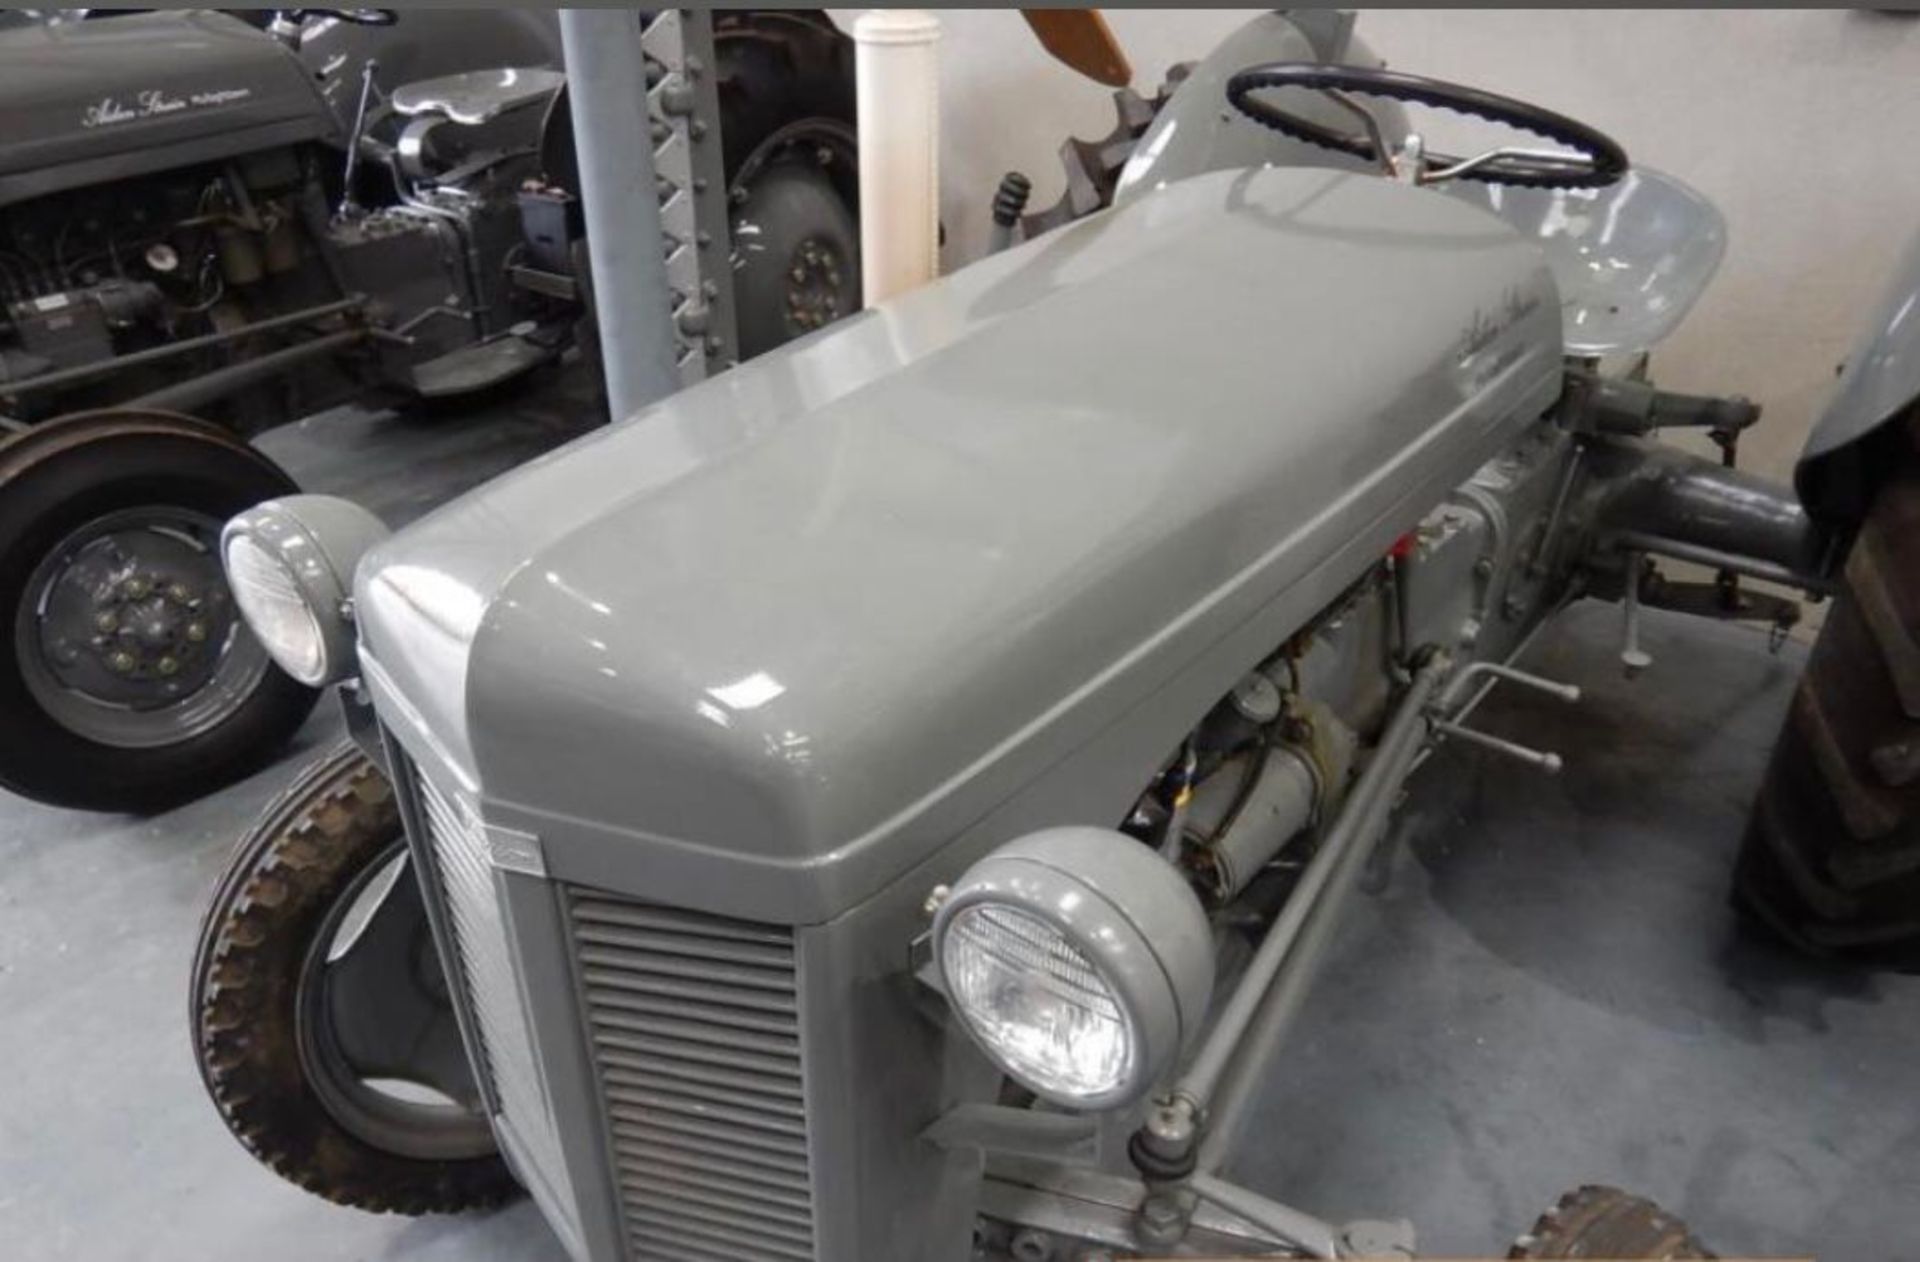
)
(696, 1042)
(486, 971)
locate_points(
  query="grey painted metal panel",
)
(818, 616)
(1197, 131)
(485, 967)
(1881, 378)
(85, 101)
(1630, 259)
(533, 920)
(880, 1046)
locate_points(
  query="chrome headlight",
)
(290, 563)
(1079, 960)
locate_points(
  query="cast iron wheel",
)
(799, 252)
(1831, 859)
(1603, 1222)
(131, 682)
(785, 84)
(320, 1015)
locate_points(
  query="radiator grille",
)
(486, 972)
(696, 1042)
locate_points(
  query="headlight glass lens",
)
(1038, 1002)
(275, 609)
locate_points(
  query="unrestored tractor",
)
(890, 803)
(252, 220)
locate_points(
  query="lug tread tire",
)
(1596, 1221)
(309, 843)
(1831, 859)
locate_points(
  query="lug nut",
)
(179, 594)
(121, 661)
(136, 588)
(167, 665)
(106, 620)
(196, 632)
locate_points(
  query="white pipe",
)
(897, 82)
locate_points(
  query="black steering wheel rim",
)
(359, 17)
(1608, 160)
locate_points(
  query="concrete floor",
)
(1548, 989)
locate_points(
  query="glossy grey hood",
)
(88, 102)
(793, 628)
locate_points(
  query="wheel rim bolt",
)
(167, 665)
(179, 593)
(106, 620)
(136, 588)
(121, 661)
(196, 632)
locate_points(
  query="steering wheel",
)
(359, 17)
(1590, 158)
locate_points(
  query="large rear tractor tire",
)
(130, 682)
(785, 84)
(1603, 1222)
(319, 1008)
(1831, 859)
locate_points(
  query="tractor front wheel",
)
(1603, 1222)
(320, 1014)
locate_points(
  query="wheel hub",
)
(135, 618)
(375, 1024)
(128, 635)
(146, 630)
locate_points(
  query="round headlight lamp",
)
(290, 563)
(1079, 960)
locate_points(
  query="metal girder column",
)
(607, 87)
(691, 168)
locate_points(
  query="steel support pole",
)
(607, 87)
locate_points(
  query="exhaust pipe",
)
(897, 82)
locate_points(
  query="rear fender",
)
(1838, 472)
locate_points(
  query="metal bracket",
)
(1022, 1132)
(510, 850)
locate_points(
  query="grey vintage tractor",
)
(890, 803)
(250, 220)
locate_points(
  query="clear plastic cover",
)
(275, 609)
(1037, 1003)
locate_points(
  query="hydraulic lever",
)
(348, 207)
(1542, 760)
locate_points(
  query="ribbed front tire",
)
(310, 851)
(1596, 1221)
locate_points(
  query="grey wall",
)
(1801, 125)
